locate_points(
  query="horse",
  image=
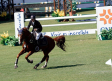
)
(25, 36)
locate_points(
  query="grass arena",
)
(84, 59)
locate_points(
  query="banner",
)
(71, 32)
(19, 21)
(104, 19)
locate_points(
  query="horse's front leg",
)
(26, 57)
(16, 62)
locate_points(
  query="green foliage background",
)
(107, 34)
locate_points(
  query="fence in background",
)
(69, 32)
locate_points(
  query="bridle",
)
(20, 32)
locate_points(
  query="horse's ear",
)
(25, 27)
(18, 29)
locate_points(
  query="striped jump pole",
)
(88, 2)
(90, 8)
(30, 3)
(84, 8)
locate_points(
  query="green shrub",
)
(106, 34)
(10, 41)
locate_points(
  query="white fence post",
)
(19, 21)
(104, 19)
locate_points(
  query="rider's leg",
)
(38, 34)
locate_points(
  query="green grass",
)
(84, 59)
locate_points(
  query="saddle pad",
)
(43, 41)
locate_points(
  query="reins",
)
(27, 38)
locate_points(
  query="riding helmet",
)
(32, 16)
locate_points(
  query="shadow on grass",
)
(83, 39)
(55, 67)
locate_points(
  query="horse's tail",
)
(60, 42)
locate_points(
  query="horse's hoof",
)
(35, 67)
(44, 66)
(15, 66)
(31, 61)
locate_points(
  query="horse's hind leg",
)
(43, 59)
(47, 58)
(16, 62)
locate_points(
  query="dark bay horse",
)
(25, 37)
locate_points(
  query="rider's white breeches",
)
(38, 35)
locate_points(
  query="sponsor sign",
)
(19, 21)
(71, 32)
(104, 19)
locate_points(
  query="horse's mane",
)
(25, 29)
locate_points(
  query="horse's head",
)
(22, 34)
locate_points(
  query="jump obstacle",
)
(43, 8)
(46, 8)
(19, 23)
(88, 2)
(89, 8)
(70, 32)
(49, 7)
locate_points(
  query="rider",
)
(37, 27)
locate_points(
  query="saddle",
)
(42, 41)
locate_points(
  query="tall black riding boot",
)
(37, 46)
(38, 42)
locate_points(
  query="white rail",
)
(66, 17)
(52, 25)
(73, 32)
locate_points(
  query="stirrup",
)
(36, 48)
(38, 42)
(31, 41)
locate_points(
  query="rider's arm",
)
(38, 26)
(29, 25)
